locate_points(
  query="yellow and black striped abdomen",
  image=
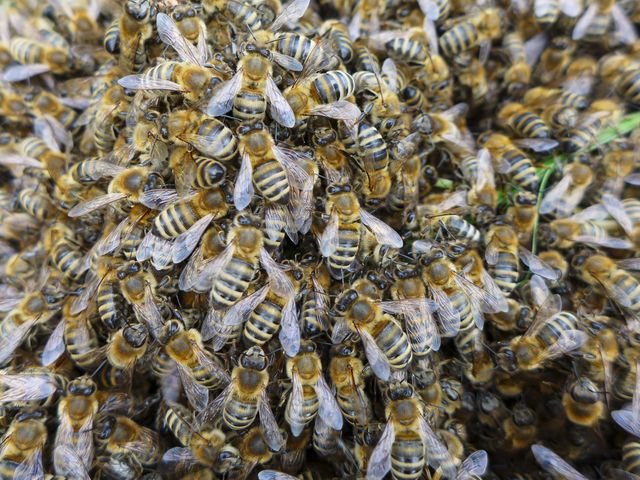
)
(521, 169)
(354, 403)
(80, 346)
(459, 38)
(631, 455)
(33, 147)
(244, 14)
(348, 243)
(630, 286)
(263, 322)
(466, 342)
(407, 50)
(66, 258)
(110, 304)
(310, 405)
(333, 86)
(462, 306)
(174, 220)
(25, 50)
(271, 181)
(461, 229)
(35, 204)
(555, 327)
(175, 421)
(407, 456)
(506, 271)
(223, 144)
(528, 124)
(547, 11)
(249, 104)
(372, 148)
(628, 85)
(311, 316)
(238, 414)
(393, 342)
(295, 45)
(232, 282)
(203, 374)
(581, 137)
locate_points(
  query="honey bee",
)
(122, 440)
(255, 449)
(178, 227)
(37, 57)
(134, 30)
(551, 463)
(125, 348)
(565, 196)
(273, 169)
(323, 94)
(583, 402)
(618, 170)
(245, 398)
(523, 215)
(23, 445)
(386, 345)
(76, 413)
(547, 12)
(555, 59)
(552, 333)
(205, 446)
(408, 442)
(365, 18)
(476, 29)
(341, 237)
(81, 19)
(338, 33)
(310, 394)
(598, 18)
(523, 122)
(441, 128)
(599, 115)
(32, 385)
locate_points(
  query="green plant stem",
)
(543, 186)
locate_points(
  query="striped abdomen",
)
(461, 229)
(407, 456)
(333, 86)
(271, 181)
(521, 169)
(66, 258)
(81, 347)
(631, 455)
(310, 405)
(392, 340)
(249, 104)
(546, 11)
(110, 304)
(233, 281)
(628, 85)
(222, 143)
(174, 220)
(263, 322)
(506, 271)
(528, 124)
(459, 38)
(372, 148)
(555, 327)
(348, 243)
(239, 414)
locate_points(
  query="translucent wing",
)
(328, 410)
(158, 198)
(539, 145)
(111, 241)
(191, 270)
(536, 265)
(609, 242)
(10, 159)
(95, 204)
(496, 296)
(626, 420)
(377, 360)
(289, 334)
(170, 34)
(210, 324)
(211, 269)
(295, 404)
(18, 73)
(430, 9)
(278, 279)
(286, 62)
(534, 47)
(391, 71)
(187, 241)
(9, 343)
(430, 30)
(384, 233)
(380, 461)
(624, 28)
(279, 108)
(616, 209)
(198, 395)
(629, 263)
(474, 466)
(593, 212)
(447, 314)
(455, 199)
(269, 424)
(178, 455)
(585, 22)
(418, 320)
(238, 312)
(275, 475)
(25, 387)
(553, 464)
(290, 160)
(485, 177)
(55, 345)
(144, 82)
(30, 467)
(212, 412)
(340, 332)
(72, 462)
(571, 8)
(339, 110)
(553, 196)
(148, 313)
(222, 100)
(81, 302)
(569, 341)
(243, 189)
(209, 364)
(276, 215)
(328, 241)
(437, 451)
(291, 12)
(8, 304)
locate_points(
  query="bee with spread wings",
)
(591, 22)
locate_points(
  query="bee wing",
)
(593, 212)
(328, 241)
(279, 108)
(146, 247)
(485, 176)
(110, 242)
(389, 68)
(147, 311)
(571, 8)
(340, 110)
(81, 302)
(187, 241)
(212, 410)
(215, 266)
(569, 341)
(328, 411)
(95, 204)
(170, 34)
(539, 145)
(55, 345)
(158, 198)
(243, 189)
(624, 28)
(8, 304)
(340, 332)
(616, 209)
(71, 462)
(380, 461)
(289, 334)
(376, 357)
(295, 404)
(496, 295)
(536, 265)
(553, 197)
(286, 62)
(553, 464)
(9, 343)
(25, 388)
(430, 9)
(436, 450)
(238, 312)
(296, 175)
(179, 455)
(275, 475)
(453, 200)
(534, 47)
(474, 466)
(431, 32)
(274, 216)
(269, 424)
(539, 290)
(278, 280)
(10, 159)
(205, 361)
(300, 209)
(585, 22)
(222, 100)
(418, 319)
(627, 420)
(53, 132)
(608, 242)
(31, 466)
(291, 12)
(191, 270)
(629, 263)
(144, 82)
(18, 73)
(80, 441)
(319, 58)
(449, 318)
(632, 179)
(197, 394)
(384, 233)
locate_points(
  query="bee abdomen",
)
(628, 86)
(348, 244)
(249, 105)
(631, 456)
(272, 181)
(333, 86)
(263, 323)
(110, 304)
(237, 414)
(232, 282)
(506, 272)
(407, 458)
(530, 125)
(459, 38)
(395, 344)
(174, 220)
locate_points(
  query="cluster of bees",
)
(352, 239)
